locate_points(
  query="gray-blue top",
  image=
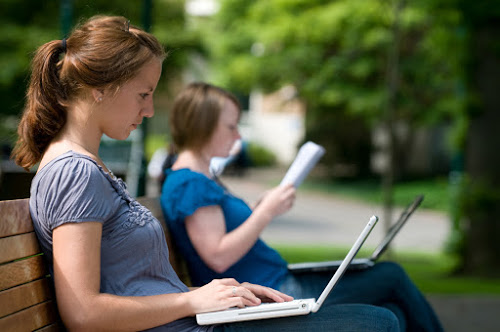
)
(134, 254)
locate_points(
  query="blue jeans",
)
(330, 317)
(384, 285)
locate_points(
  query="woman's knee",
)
(387, 321)
(383, 319)
(370, 318)
(391, 270)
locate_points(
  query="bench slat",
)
(15, 217)
(52, 328)
(20, 272)
(18, 246)
(31, 318)
(24, 296)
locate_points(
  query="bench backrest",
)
(27, 298)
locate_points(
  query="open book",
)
(307, 157)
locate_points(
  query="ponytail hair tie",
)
(64, 45)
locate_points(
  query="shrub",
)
(260, 156)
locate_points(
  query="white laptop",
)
(361, 263)
(291, 308)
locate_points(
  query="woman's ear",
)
(97, 94)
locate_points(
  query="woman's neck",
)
(80, 141)
(80, 130)
(79, 134)
(74, 139)
(195, 161)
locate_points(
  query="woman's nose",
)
(148, 111)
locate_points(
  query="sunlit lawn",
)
(436, 191)
(432, 273)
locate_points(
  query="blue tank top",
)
(183, 192)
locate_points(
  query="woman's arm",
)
(76, 250)
(206, 229)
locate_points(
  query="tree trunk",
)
(392, 91)
(482, 209)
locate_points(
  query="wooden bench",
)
(27, 299)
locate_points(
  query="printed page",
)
(307, 157)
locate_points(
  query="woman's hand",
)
(266, 294)
(277, 201)
(222, 294)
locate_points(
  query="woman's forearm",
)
(235, 244)
(220, 249)
(132, 313)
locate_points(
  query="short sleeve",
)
(185, 192)
(74, 190)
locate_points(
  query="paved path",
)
(327, 219)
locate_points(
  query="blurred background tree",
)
(25, 25)
(480, 203)
(29, 23)
(357, 65)
(336, 53)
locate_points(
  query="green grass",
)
(432, 273)
(436, 191)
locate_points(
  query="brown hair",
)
(104, 52)
(195, 114)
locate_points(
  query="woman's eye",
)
(144, 95)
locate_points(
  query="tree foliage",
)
(26, 24)
(336, 54)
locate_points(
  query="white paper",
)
(307, 157)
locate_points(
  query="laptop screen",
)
(382, 247)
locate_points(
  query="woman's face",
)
(226, 133)
(124, 111)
